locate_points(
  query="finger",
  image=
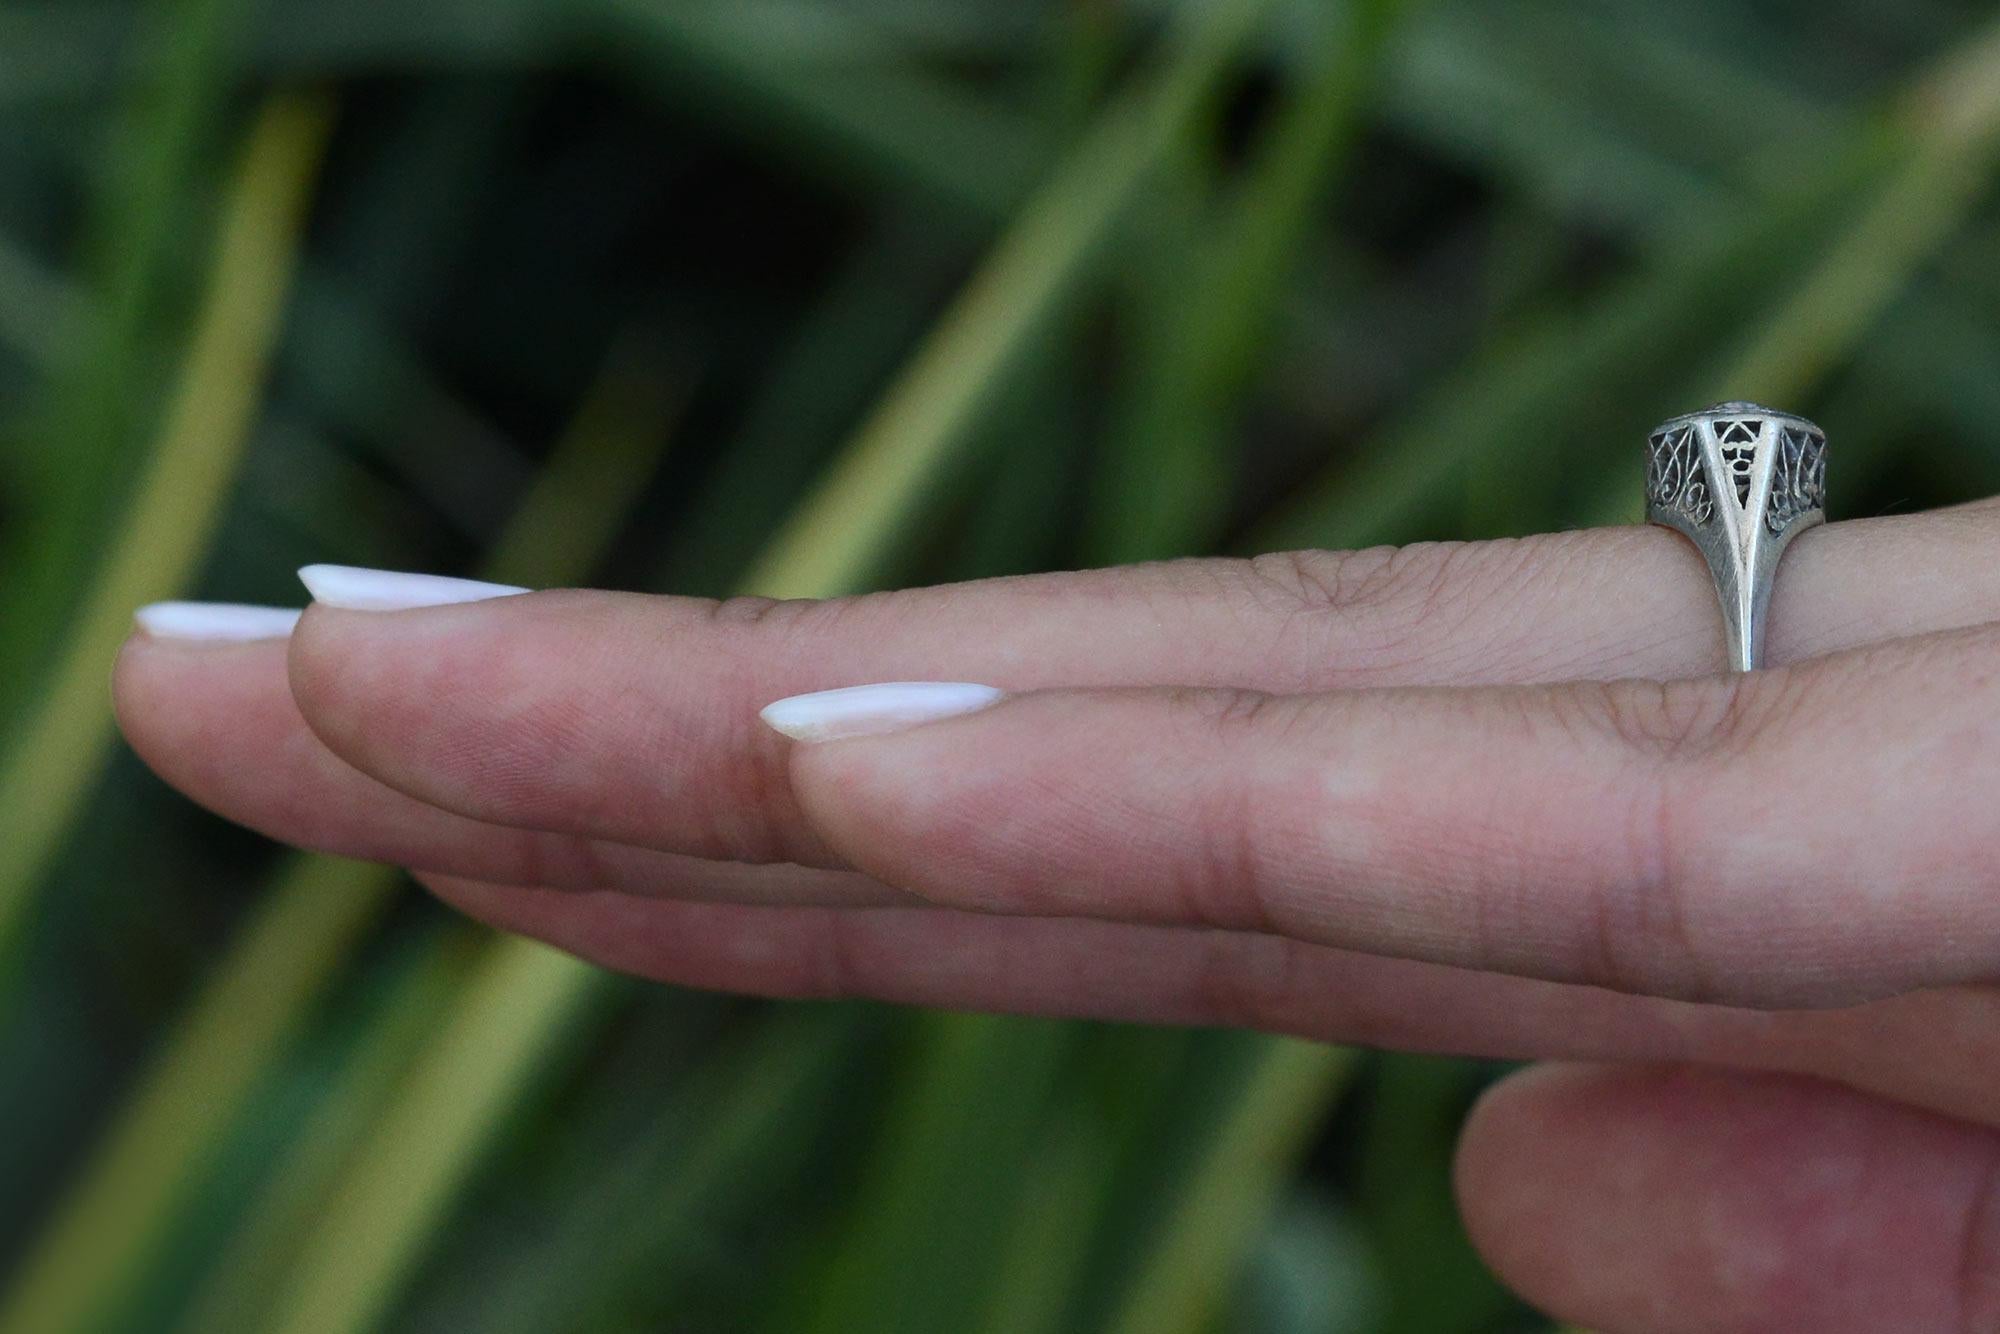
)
(218, 722)
(633, 718)
(1931, 1049)
(1813, 836)
(1649, 1199)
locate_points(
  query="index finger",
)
(634, 718)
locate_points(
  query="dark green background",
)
(803, 297)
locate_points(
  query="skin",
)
(1490, 799)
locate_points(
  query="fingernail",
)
(356, 589)
(831, 715)
(215, 622)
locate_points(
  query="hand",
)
(1472, 798)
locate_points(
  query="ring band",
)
(1741, 481)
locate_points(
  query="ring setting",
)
(1741, 481)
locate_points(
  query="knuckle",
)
(1644, 934)
(809, 626)
(758, 613)
(1419, 577)
(1689, 720)
(1413, 608)
(1255, 718)
(754, 630)
(1227, 885)
(1217, 881)
(1669, 720)
(1230, 710)
(1313, 581)
(1220, 877)
(1642, 929)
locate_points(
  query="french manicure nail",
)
(831, 715)
(356, 589)
(215, 622)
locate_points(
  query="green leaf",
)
(902, 455)
(1203, 1242)
(243, 1278)
(122, 1205)
(91, 432)
(498, 1034)
(184, 485)
(971, 1101)
(1211, 301)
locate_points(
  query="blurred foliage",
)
(803, 297)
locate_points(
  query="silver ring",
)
(1741, 481)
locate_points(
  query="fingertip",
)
(1675, 1197)
(437, 703)
(152, 676)
(189, 712)
(128, 702)
(1516, 1220)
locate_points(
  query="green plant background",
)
(802, 297)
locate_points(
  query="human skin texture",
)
(1493, 798)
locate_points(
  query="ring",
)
(1741, 481)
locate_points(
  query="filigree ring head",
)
(1740, 481)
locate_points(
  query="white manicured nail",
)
(356, 589)
(215, 622)
(832, 715)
